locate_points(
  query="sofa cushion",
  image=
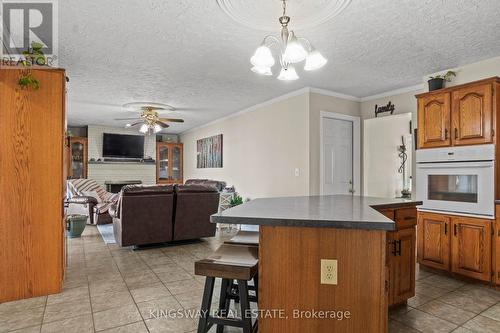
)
(195, 189)
(129, 190)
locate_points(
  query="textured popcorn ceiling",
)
(193, 56)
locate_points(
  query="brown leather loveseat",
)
(164, 213)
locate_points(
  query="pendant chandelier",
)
(292, 50)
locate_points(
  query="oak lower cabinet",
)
(401, 265)
(458, 244)
(434, 240)
(400, 255)
(471, 247)
(496, 248)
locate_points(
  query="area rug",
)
(106, 231)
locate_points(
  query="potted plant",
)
(437, 82)
(33, 57)
(236, 200)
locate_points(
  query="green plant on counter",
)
(34, 56)
(446, 77)
(236, 200)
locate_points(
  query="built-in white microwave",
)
(457, 180)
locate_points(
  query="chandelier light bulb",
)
(314, 60)
(294, 51)
(262, 70)
(262, 57)
(144, 128)
(288, 74)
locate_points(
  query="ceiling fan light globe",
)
(262, 57)
(157, 128)
(314, 60)
(144, 128)
(262, 70)
(294, 52)
(288, 74)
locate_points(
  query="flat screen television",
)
(122, 145)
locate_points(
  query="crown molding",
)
(393, 92)
(335, 94)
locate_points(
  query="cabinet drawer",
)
(405, 218)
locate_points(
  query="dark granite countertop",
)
(332, 211)
(497, 202)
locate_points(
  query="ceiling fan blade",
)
(128, 118)
(172, 120)
(135, 124)
(162, 124)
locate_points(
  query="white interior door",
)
(337, 146)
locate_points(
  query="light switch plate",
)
(329, 271)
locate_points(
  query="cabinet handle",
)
(455, 231)
(446, 134)
(446, 228)
(394, 248)
(399, 248)
(456, 133)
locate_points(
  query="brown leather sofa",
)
(193, 206)
(164, 213)
(219, 185)
(143, 215)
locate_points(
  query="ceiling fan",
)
(150, 120)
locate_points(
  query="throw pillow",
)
(92, 194)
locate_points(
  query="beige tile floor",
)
(113, 289)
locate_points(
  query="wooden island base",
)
(289, 279)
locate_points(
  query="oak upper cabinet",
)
(459, 115)
(471, 247)
(434, 112)
(434, 240)
(402, 265)
(169, 158)
(472, 115)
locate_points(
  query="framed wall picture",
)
(209, 152)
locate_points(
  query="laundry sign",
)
(382, 109)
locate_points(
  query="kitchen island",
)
(322, 260)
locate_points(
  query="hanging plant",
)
(34, 56)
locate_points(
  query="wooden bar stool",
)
(249, 238)
(229, 262)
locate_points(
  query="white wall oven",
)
(457, 180)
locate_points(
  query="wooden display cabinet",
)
(78, 157)
(169, 163)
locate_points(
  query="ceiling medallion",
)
(292, 50)
(260, 14)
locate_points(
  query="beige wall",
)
(262, 148)
(318, 103)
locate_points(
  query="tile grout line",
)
(88, 285)
(128, 289)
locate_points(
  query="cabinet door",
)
(162, 163)
(471, 247)
(496, 249)
(434, 240)
(176, 165)
(403, 270)
(78, 158)
(434, 121)
(472, 115)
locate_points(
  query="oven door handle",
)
(455, 165)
